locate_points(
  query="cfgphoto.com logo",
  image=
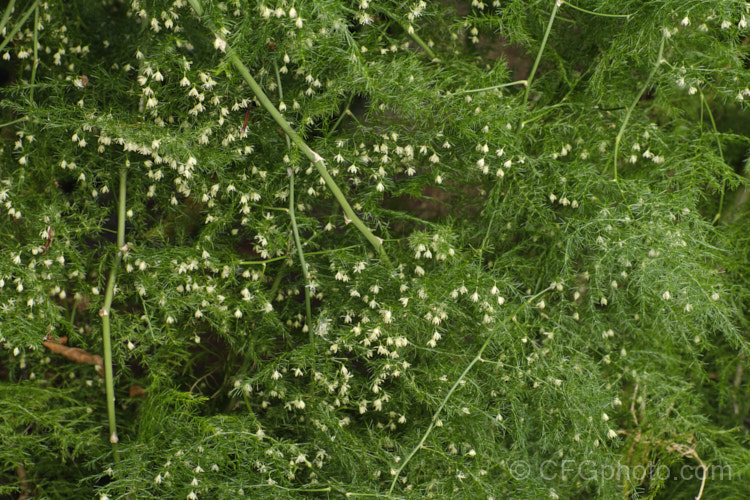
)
(589, 470)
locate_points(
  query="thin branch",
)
(541, 49)
(18, 25)
(502, 85)
(410, 31)
(6, 14)
(635, 102)
(295, 230)
(314, 157)
(341, 117)
(721, 154)
(420, 42)
(434, 419)
(19, 120)
(285, 257)
(600, 14)
(35, 64)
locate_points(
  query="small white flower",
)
(220, 44)
(685, 21)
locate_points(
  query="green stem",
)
(18, 25)
(420, 42)
(276, 283)
(295, 230)
(474, 361)
(284, 257)
(314, 157)
(6, 14)
(502, 85)
(635, 102)
(721, 154)
(346, 109)
(36, 55)
(600, 14)
(22, 119)
(105, 312)
(305, 272)
(411, 32)
(541, 50)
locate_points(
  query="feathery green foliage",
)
(374, 249)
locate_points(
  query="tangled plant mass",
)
(341, 249)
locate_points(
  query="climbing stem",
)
(541, 49)
(105, 311)
(295, 229)
(303, 263)
(721, 154)
(633, 105)
(314, 157)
